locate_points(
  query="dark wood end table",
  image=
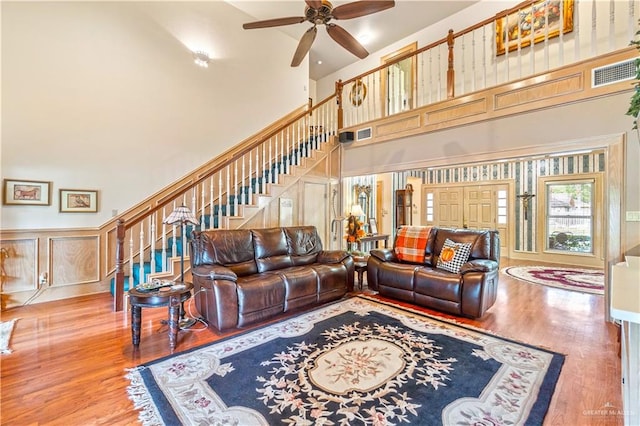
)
(172, 297)
(360, 265)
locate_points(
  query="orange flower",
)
(354, 230)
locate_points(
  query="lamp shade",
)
(181, 215)
(356, 210)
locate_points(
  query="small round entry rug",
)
(575, 279)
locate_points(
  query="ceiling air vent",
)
(613, 73)
(364, 134)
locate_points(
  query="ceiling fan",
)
(322, 12)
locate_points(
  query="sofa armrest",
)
(214, 272)
(332, 256)
(385, 255)
(479, 265)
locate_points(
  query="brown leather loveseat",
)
(243, 276)
(469, 293)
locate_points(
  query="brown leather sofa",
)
(244, 276)
(468, 293)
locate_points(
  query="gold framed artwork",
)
(78, 201)
(358, 93)
(545, 18)
(26, 192)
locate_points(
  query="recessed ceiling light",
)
(201, 58)
(364, 38)
(319, 62)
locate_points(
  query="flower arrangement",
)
(354, 230)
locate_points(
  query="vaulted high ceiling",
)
(384, 28)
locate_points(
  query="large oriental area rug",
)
(353, 362)
(574, 279)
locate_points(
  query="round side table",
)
(173, 297)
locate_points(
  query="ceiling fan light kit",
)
(321, 12)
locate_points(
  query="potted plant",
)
(634, 103)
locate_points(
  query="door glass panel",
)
(570, 216)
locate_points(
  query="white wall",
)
(105, 95)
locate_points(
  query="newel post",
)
(450, 72)
(119, 275)
(339, 87)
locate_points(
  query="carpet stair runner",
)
(258, 186)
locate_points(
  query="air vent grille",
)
(613, 73)
(364, 134)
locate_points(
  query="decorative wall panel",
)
(19, 265)
(74, 260)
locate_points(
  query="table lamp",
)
(181, 215)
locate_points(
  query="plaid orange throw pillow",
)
(411, 243)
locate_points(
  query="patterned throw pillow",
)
(411, 243)
(453, 256)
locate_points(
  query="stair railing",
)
(488, 54)
(226, 188)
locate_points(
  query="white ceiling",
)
(386, 27)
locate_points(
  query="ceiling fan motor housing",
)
(321, 15)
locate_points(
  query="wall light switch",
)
(633, 216)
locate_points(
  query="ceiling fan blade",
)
(346, 40)
(304, 45)
(274, 22)
(361, 8)
(314, 4)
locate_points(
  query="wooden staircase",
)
(234, 195)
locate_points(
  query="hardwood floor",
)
(69, 357)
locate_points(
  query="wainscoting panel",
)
(20, 260)
(74, 260)
(540, 92)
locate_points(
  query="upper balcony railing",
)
(498, 50)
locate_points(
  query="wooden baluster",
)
(494, 54)
(211, 201)
(152, 245)
(250, 183)
(235, 189)
(131, 232)
(451, 74)
(258, 175)
(119, 273)
(228, 190)
(141, 254)
(484, 56)
(220, 199)
(265, 173)
(270, 163)
(298, 143)
(339, 103)
(203, 206)
(275, 162)
(287, 163)
(546, 38)
(283, 167)
(164, 241)
(243, 178)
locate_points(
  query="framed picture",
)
(373, 226)
(78, 201)
(27, 192)
(546, 18)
